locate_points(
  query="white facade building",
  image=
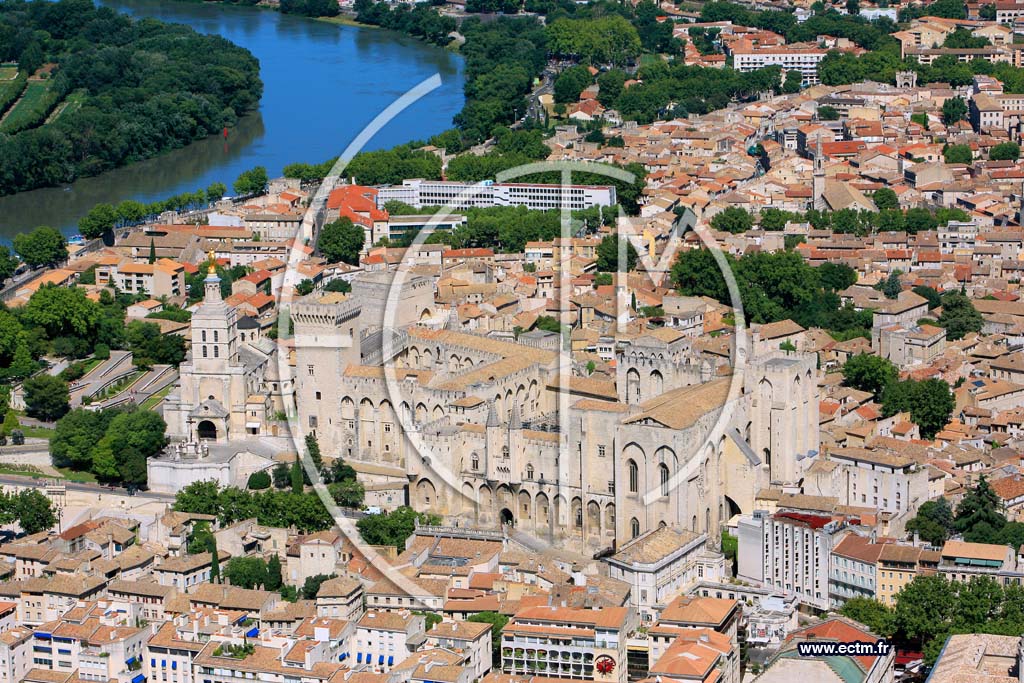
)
(420, 193)
(661, 564)
(790, 59)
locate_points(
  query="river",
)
(322, 84)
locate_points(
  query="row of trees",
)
(271, 507)
(507, 229)
(105, 217)
(146, 87)
(889, 217)
(341, 479)
(930, 608)
(416, 19)
(393, 528)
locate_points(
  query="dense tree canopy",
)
(30, 508)
(772, 286)
(44, 246)
(571, 82)
(272, 507)
(929, 402)
(959, 316)
(113, 443)
(733, 219)
(868, 372)
(394, 527)
(933, 522)
(603, 40)
(341, 241)
(142, 86)
(608, 255)
(417, 19)
(1005, 151)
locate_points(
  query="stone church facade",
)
(226, 387)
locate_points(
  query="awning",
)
(380, 659)
(359, 657)
(253, 632)
(391, 661)
(130, 661)
(139, 678)
(253, 425)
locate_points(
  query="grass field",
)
(154, 400)
(31, 109)
(10, 91)
(71, 103)
(76, 476)
(37, 432)
(8, 72)
(14, 469)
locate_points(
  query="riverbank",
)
(349, 74)
(344, 20)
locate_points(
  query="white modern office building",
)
(420, 193)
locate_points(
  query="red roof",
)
(356, 202)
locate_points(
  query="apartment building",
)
(235, 662)
(692, 619)
(898, 565)
(804, 60)
(163, 277)
(961, 561)
(789, 551)
(100, 643)
(471, 639)
(886, 481)
(662, 563)
(567, 643)
(384, 638)
(15, 654)
(152, 598)
(420, 193)
(45, 600)
(340, 598)
(698, 655)
(852, 569)
(186, 571)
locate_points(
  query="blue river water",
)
(322, 84)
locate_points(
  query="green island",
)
(84, 89)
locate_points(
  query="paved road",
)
(15, 480)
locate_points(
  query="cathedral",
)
(226, 385)
(489, 434)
